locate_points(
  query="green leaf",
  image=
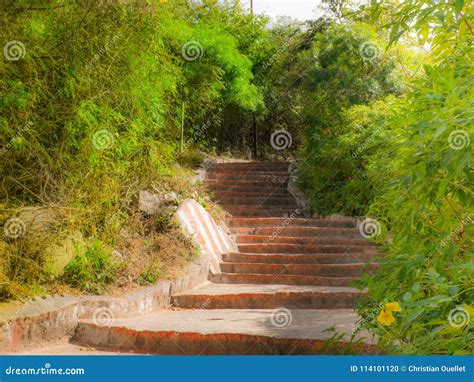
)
(458, 5)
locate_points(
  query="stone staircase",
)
(286, 285)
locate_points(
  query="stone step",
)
(258, 200)
(246, 194)
(327, 270)
(307, 249)
(242, 296)
(269, 239)
(275, 177)
(226, 332)
(259, 278)
(217, 189)
(282, 258)
(244, 171)
(64, 347)
(288, 222)
(299, 232)
(251, 166)
(230, 184)
(252, 210)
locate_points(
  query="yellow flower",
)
(393, 307)
(385, 317)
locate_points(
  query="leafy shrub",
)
(92, 269)
(91, 113)
(151, 274)
(406, 162)
(343, 113)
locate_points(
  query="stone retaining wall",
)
(52, 318)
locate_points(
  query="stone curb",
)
(56, 317)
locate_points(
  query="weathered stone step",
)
(64, 347)
(275, 177)
(299, 248)
(258, 200)
(251, 166)
(252, 210)
(244, 172)
(225, 332)
(289, 222)
(245, 183)
(247, 190)
(329, 270)
(247, 194)
(300, 232)
(259, 278)
(285, 258)
(267, 239)
(242, 296)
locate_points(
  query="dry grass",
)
(147, 244)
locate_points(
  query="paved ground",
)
(221, 289)
(227, 332)
(303, 323)
(64, 347)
